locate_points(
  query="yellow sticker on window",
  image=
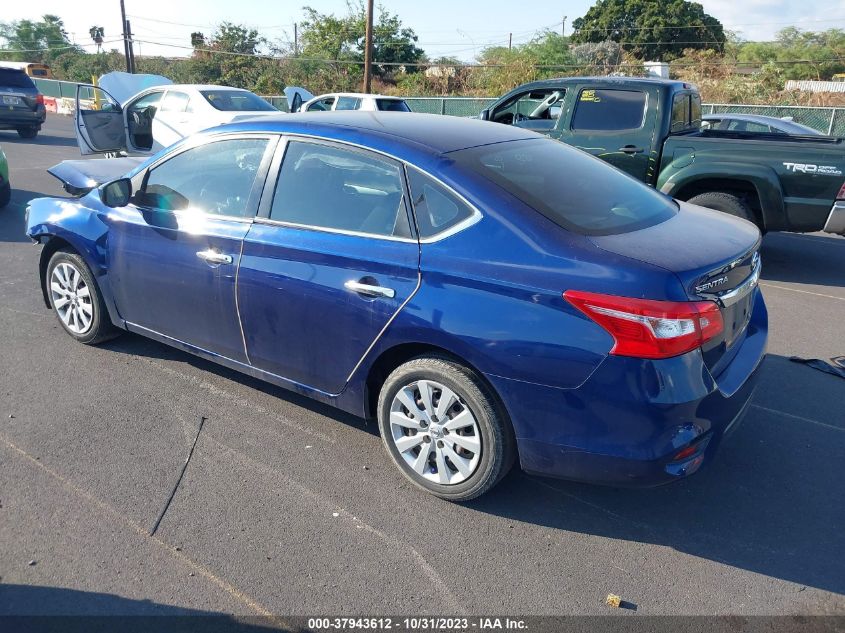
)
(590, 95)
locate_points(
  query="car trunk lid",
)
(714, 256)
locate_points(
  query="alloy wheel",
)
(71, 298)
(435, 432)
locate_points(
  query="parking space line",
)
(798, 417)
(805, 292)
(105, 508)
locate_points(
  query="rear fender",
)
(683, 174)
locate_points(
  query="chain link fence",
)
(826, 120)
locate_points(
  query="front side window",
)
(436, 209)
(328, 187)
(576, 191)
(541, 104)
(609, 110)
(236, 101)
(216, 178)
(322, 105)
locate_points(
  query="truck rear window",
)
(576, 191)
(608, 110)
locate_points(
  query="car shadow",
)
(771, 502)
(37, 608)
(13, 215)
(786, 257)
(129, 343)
(10, 137)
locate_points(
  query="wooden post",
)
(368, 49)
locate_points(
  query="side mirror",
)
(484, 115)
(116, 194)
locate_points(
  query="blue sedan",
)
(486, 293)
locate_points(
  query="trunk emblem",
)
(715, 283)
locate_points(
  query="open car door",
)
(296, 97)
(99, 123)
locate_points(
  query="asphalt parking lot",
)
(288, 507)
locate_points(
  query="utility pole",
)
(368, 49)
(295, 39)
(131, 47)
(563, 26)
(510, 41)
(125, 37)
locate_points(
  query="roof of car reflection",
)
(433, 133)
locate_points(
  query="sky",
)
(459, 28)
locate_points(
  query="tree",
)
(37, 41)
(654, 30)
(326, 36)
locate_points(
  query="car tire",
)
(27, 132)
(5, 194)
(455, 470)
(726, 203)
(77, 300)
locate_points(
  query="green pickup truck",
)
(651, 128)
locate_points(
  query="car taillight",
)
(841, 194)
(645, 328)
(39, 99)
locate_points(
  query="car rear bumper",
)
(11, 119)
(836, 220)
(627, 423)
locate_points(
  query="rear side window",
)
(392, 105)
(680, 112)
(436, 208)
(576, 191)
(236, 101)
(608, 110)
(347, 103)
(15, 79)
(175, 102)
(329, 187)
(695, 111)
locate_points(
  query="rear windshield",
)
(235, 100)
(392, 105)
(574, 190)
(15, 79)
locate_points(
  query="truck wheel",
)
(27, 132)
(726, 203)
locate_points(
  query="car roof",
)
(398, 133)
(357, 95)
(757, 118)
(637, 81)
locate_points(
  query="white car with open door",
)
(157, 116)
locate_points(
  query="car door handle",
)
(214, 257)
(631, 149)
(369, 290)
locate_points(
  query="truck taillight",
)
(841, 194)
(39, 99)
(645, 328)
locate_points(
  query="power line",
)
(354, 62)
